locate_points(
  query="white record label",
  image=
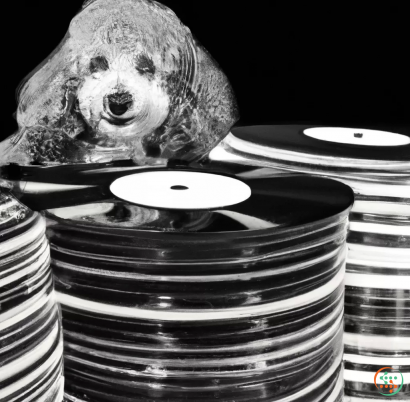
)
(358, 136)
(180, 190)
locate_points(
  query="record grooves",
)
(378, 264)
(238, 303)
(31, 347)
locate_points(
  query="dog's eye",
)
(144, 64)
(99, 63)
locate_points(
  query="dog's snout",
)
(119, 103)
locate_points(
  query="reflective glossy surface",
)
(378, 266)
(280, 202)
(244, 303)
(31, 345)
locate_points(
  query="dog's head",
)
(128, 81)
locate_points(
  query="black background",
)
(335, 63)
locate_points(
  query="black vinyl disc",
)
(274, 203)
(293, 138)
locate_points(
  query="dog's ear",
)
(206, 114)
(47, 116)
(41, 94)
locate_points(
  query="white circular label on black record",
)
(180, 190)
(358, 136)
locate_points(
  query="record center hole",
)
(179, 188)
(358, 135)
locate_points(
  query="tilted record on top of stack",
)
(376, 165)
(239, 302)
(210, 202)
(31, 346)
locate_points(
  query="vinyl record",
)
(352, 149)
(377, 331)
(31, 346)
(257, 203)
(242, 302)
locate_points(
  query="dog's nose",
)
(119, 103)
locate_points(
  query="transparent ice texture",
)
(128, 81)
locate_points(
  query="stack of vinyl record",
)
(31, 346)
(376, 165)
(192, 286)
